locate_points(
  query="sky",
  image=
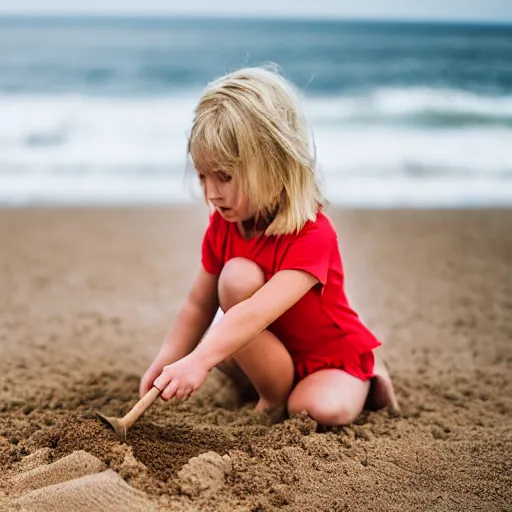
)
(465, 10)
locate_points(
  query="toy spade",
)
(121, 425)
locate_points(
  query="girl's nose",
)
(212, 189)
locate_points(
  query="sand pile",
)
(204, 474)
(75, 465)
(105, 491)
(78, 482)
(86, 297)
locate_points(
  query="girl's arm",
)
(247, 319)
(192, 321)
(237, 327)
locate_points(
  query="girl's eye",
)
(201, 177)
(223, 177)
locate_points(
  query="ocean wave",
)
(378, 137)
(414, 107)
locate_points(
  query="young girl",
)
(270, 260)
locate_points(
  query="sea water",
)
(97, 110)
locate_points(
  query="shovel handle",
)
(140, 407)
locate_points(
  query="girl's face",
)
(226, 197)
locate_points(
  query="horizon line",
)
(252, 16)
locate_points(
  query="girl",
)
(270, 260)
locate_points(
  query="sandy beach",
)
(86, 296)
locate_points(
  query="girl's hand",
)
(146, 383)
(181, 378)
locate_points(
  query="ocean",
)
(96, 110)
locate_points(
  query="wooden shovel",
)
(121, 425)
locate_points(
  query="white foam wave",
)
(94, 133)
(56, 149)
(412, 102)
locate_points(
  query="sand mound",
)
(73, 466)
(105, 491)
(204, 475)
(38, 458)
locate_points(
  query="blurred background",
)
(410, 106)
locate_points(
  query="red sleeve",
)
(311, 249)
(212, 256)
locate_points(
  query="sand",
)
(75, 465)
(86, 297)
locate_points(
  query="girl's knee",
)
(325, 413)
(240, 279)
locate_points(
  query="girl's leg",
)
(265, 368)
(331, 397)
(264, 361)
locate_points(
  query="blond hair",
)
(249, 124)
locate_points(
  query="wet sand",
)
(86, 297)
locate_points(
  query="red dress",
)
(321, 330)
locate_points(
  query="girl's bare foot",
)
(262, 405)
(381, 394)
(276, 413)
